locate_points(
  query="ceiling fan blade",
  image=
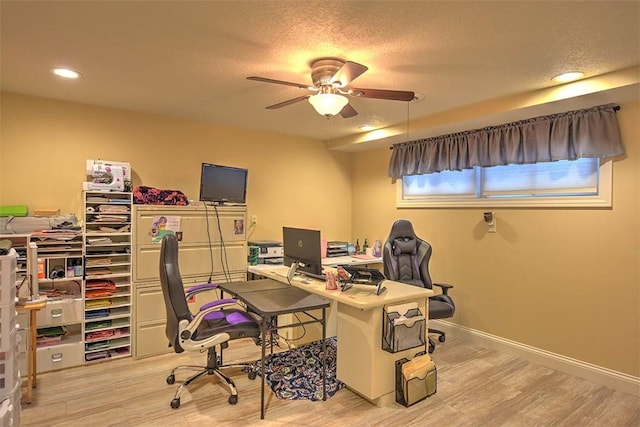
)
(289, 102)
(278, 82)
(347, 73)
(393, 95)
(348, 111)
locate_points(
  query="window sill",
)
(529, 202)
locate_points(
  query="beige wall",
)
(563, 280)
(44, 145)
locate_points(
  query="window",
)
(582, 182)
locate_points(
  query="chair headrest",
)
(405, 245)
(171, 240)
(402, 228)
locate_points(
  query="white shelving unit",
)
(9, 343)
(27, 283)
(107, 286)
(60, 279)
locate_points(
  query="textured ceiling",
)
(190, 59)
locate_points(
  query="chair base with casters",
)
(441, 338)
(214, 367)
(209, 329)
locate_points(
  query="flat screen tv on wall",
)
(223, 184)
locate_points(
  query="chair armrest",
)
(217, 303)
(186, 329)
(194, 290)
(444, 286)
(212, 307)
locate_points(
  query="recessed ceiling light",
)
(568, 77)
(66, 73)
(366, 127)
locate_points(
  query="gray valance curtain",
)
(592, 132)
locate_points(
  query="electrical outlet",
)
(254, 219)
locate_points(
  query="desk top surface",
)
(359, 296)
(36, 304)
(236, 288)
(271, 298)
(351, 260)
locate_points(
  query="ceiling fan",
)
(331, 78)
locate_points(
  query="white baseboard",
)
(597, 374)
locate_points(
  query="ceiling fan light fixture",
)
(328, 104)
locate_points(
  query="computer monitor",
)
(303, 246)
(223, 184)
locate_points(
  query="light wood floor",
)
(476, 387)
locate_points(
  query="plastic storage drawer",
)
(61, 312)
(10, 408)
(11, 342)
(9, 368)
(8, 322)
(23, 331)
(8, 276)
(8, 293)
(60, 356)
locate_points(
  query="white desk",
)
(326, 262)
(355, 317)
(351, 260)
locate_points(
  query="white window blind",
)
(446, 183)
(553, 178)
(582, 182)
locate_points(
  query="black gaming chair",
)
(214, 325)
(406, 259)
